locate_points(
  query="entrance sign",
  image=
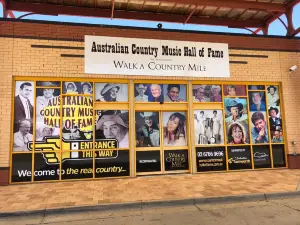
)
(132, 56)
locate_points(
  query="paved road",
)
(275, 212)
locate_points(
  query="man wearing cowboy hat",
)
(141, 89)
(148, 134)
(275, 122)
(235, 109)
(109, 93)
(114, 127)
(273, 98)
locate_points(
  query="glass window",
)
(261, 156)
(207, 93)
(74, 88)
(148, 161)
(23, 115)
(210, 159)
(236, 118)
(111, 92)
(175, 133)
(113, 125)
(175, 93)
(77, 121)
(234, 90)
(208, 127)
(239, 157)
(278, 155)
(147, 129)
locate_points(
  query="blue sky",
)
(276, 28)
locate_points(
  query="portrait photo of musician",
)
(47, 98)
(23, 103)
(140, 93)
(147, 129)
(207, 93)
(233, 90)
(257, 101)
(236, 112)
(111, 92)
(174, 93)
(273, 95)
(23, 136)
(174, 129)
(208, 126)
(155, 93)
(259, 127)
(112, 124)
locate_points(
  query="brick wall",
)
(18, 58)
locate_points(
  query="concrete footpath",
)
(186, 189)
(271, 212)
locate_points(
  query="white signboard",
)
(132, 56)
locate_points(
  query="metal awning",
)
(231, 13)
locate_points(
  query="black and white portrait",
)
(111, 92)
(113, 124)
(208, 126)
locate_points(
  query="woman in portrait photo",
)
(109, 93)
(199, 123)
(216, 126)
(174, 132)
(231, 90)
(236, 134)
(71, 88)
(216, 93)
(114, 127)
(86, 88)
